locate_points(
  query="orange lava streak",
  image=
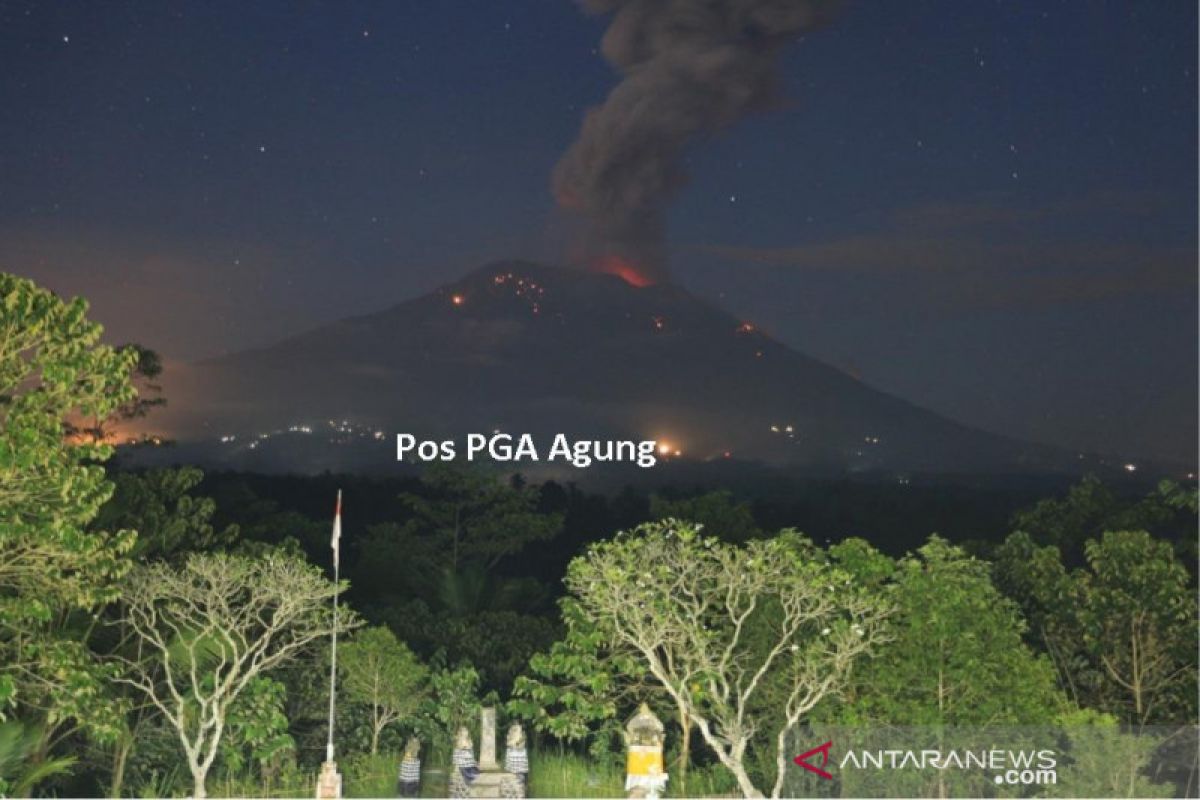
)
(623, 269)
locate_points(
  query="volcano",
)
(525, 348)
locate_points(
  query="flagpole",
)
(337, 530)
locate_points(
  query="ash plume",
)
(688, 67)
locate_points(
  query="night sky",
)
(987, 208)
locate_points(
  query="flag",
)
(336, 538)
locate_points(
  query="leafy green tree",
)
(170, 519)
(1121, 629)
(381, 672)
(954, 674)
(1036, 579)
(716, 512)
(1104, 761)
(956, 656)
(1139, 619)
(53, 567)
(257, 729)
(1090, 508)
(711, 620)
(147, 367)
(52, 369)
(453, 702)
(461, 517)
(209, 628)
(578, 688)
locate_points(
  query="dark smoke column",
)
(688, 67)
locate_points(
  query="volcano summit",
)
(525, 348)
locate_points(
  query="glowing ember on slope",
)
(524, 288)
(457, 299)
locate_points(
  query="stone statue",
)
(410, 768)
(464, 756)
(516, 757)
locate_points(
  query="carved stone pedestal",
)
(329, 782)
(492, 781)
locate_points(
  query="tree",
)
(463, 516)
(1121, 629)
(169, 518)
(716, 512)
(1035, 578)
(147, 367)
(577, 688)
(954, 674)
(712, 620)
(956, 656)
(1139, 621)
(453, 702)
(1090, 508)
(380, 671)
(1105, 761)
(53, 370)
(209, 628)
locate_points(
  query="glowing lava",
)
(624, 269)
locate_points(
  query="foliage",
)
(1139, 623)
(956, 656)
(169, 518)
(147, 367)
(1121, 629)
(462, 516)
(1105, 761)
(453, 702)
(717, 513)
(1090, 508)
(499, 642)
(52, 369)
(381, 672)
(211, 627)
(711, 620)
(579, 687)
(256, 729)
(19, 772)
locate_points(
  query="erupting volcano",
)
(525, 348)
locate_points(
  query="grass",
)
(552, 774)
(569, 775)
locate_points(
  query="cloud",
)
(991, 256)
(181, 298)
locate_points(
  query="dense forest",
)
(165, 632)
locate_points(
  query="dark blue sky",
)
(988, 208)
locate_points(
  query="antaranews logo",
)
(1009, 767)
(802, 760)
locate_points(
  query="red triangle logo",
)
(802, 760)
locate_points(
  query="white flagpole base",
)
(329, 782)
